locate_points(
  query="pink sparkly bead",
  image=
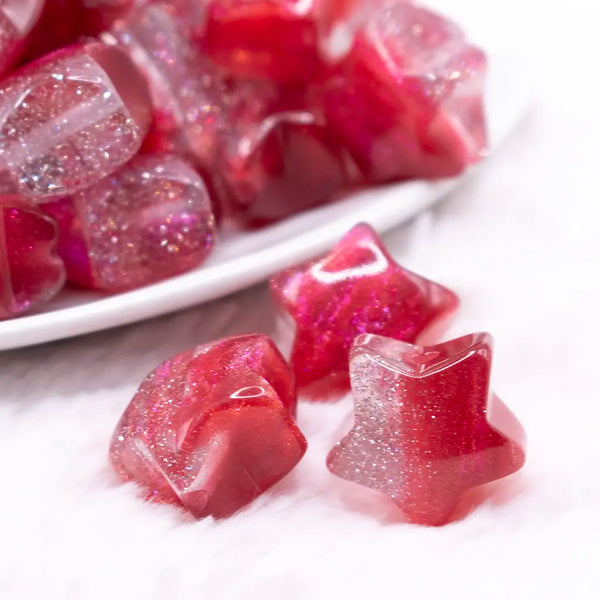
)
(426, 425)
(150, 220)
(187, 91)
(407, 100)
(17, 18)
(356, 288)
(30, 270)
(211, 428)
(70, 119)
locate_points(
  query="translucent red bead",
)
(426, 425)
(356, 288)
(30, 270)
(212, 428)
(407, 100)
(17, 19)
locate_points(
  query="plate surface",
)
(244, 258)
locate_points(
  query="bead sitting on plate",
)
(17, 19)
(356, 288)
(407, 100)
(150, 220)
(30, 270)
(212, 428)
(71, 118)
(426, 425)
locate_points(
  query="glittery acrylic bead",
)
(150, 220)
(426, 425)
(30, 270)
(70, 119)
(356, 288)
(211, 428)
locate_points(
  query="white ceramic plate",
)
(244, 258)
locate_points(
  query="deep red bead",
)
(426, 425)
(150, 220)
(17, 19)
(407, 100)
(212, 428)
(30, 270)
(356, 288)
(70, 119)
(64, 22)
(267, 39)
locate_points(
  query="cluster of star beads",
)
(213, 428)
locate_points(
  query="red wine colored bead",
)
(426, 425)
(70, 119)
(297, 165)
(17, 19)
(275, 40)
(211, 428)
(30, 270)
(64, 22)
(150, 220)
(407, 100)
(356, 288)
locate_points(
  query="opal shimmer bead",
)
(17, 19)
(212, 428)
(356, 288)
(150, 220)
(70, 119)
(407, 100)
(426, 425)
(30, 271)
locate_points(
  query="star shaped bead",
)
(426, 426)
(356, 288)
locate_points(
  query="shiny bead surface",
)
(212, 428)
(407, 100)
(150, 220)
(426, 425)
(70, 119)
(356, 288)
(30, 270)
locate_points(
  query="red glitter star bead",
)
(426, 426)
(17, 18)
(150, 220)
(357, 288)
(212, 428)
(30, 270)
(71, 118)
(407, 100)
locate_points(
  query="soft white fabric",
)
(519, 243)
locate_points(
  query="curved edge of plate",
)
(250, 257)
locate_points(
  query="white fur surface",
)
(520, 245)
